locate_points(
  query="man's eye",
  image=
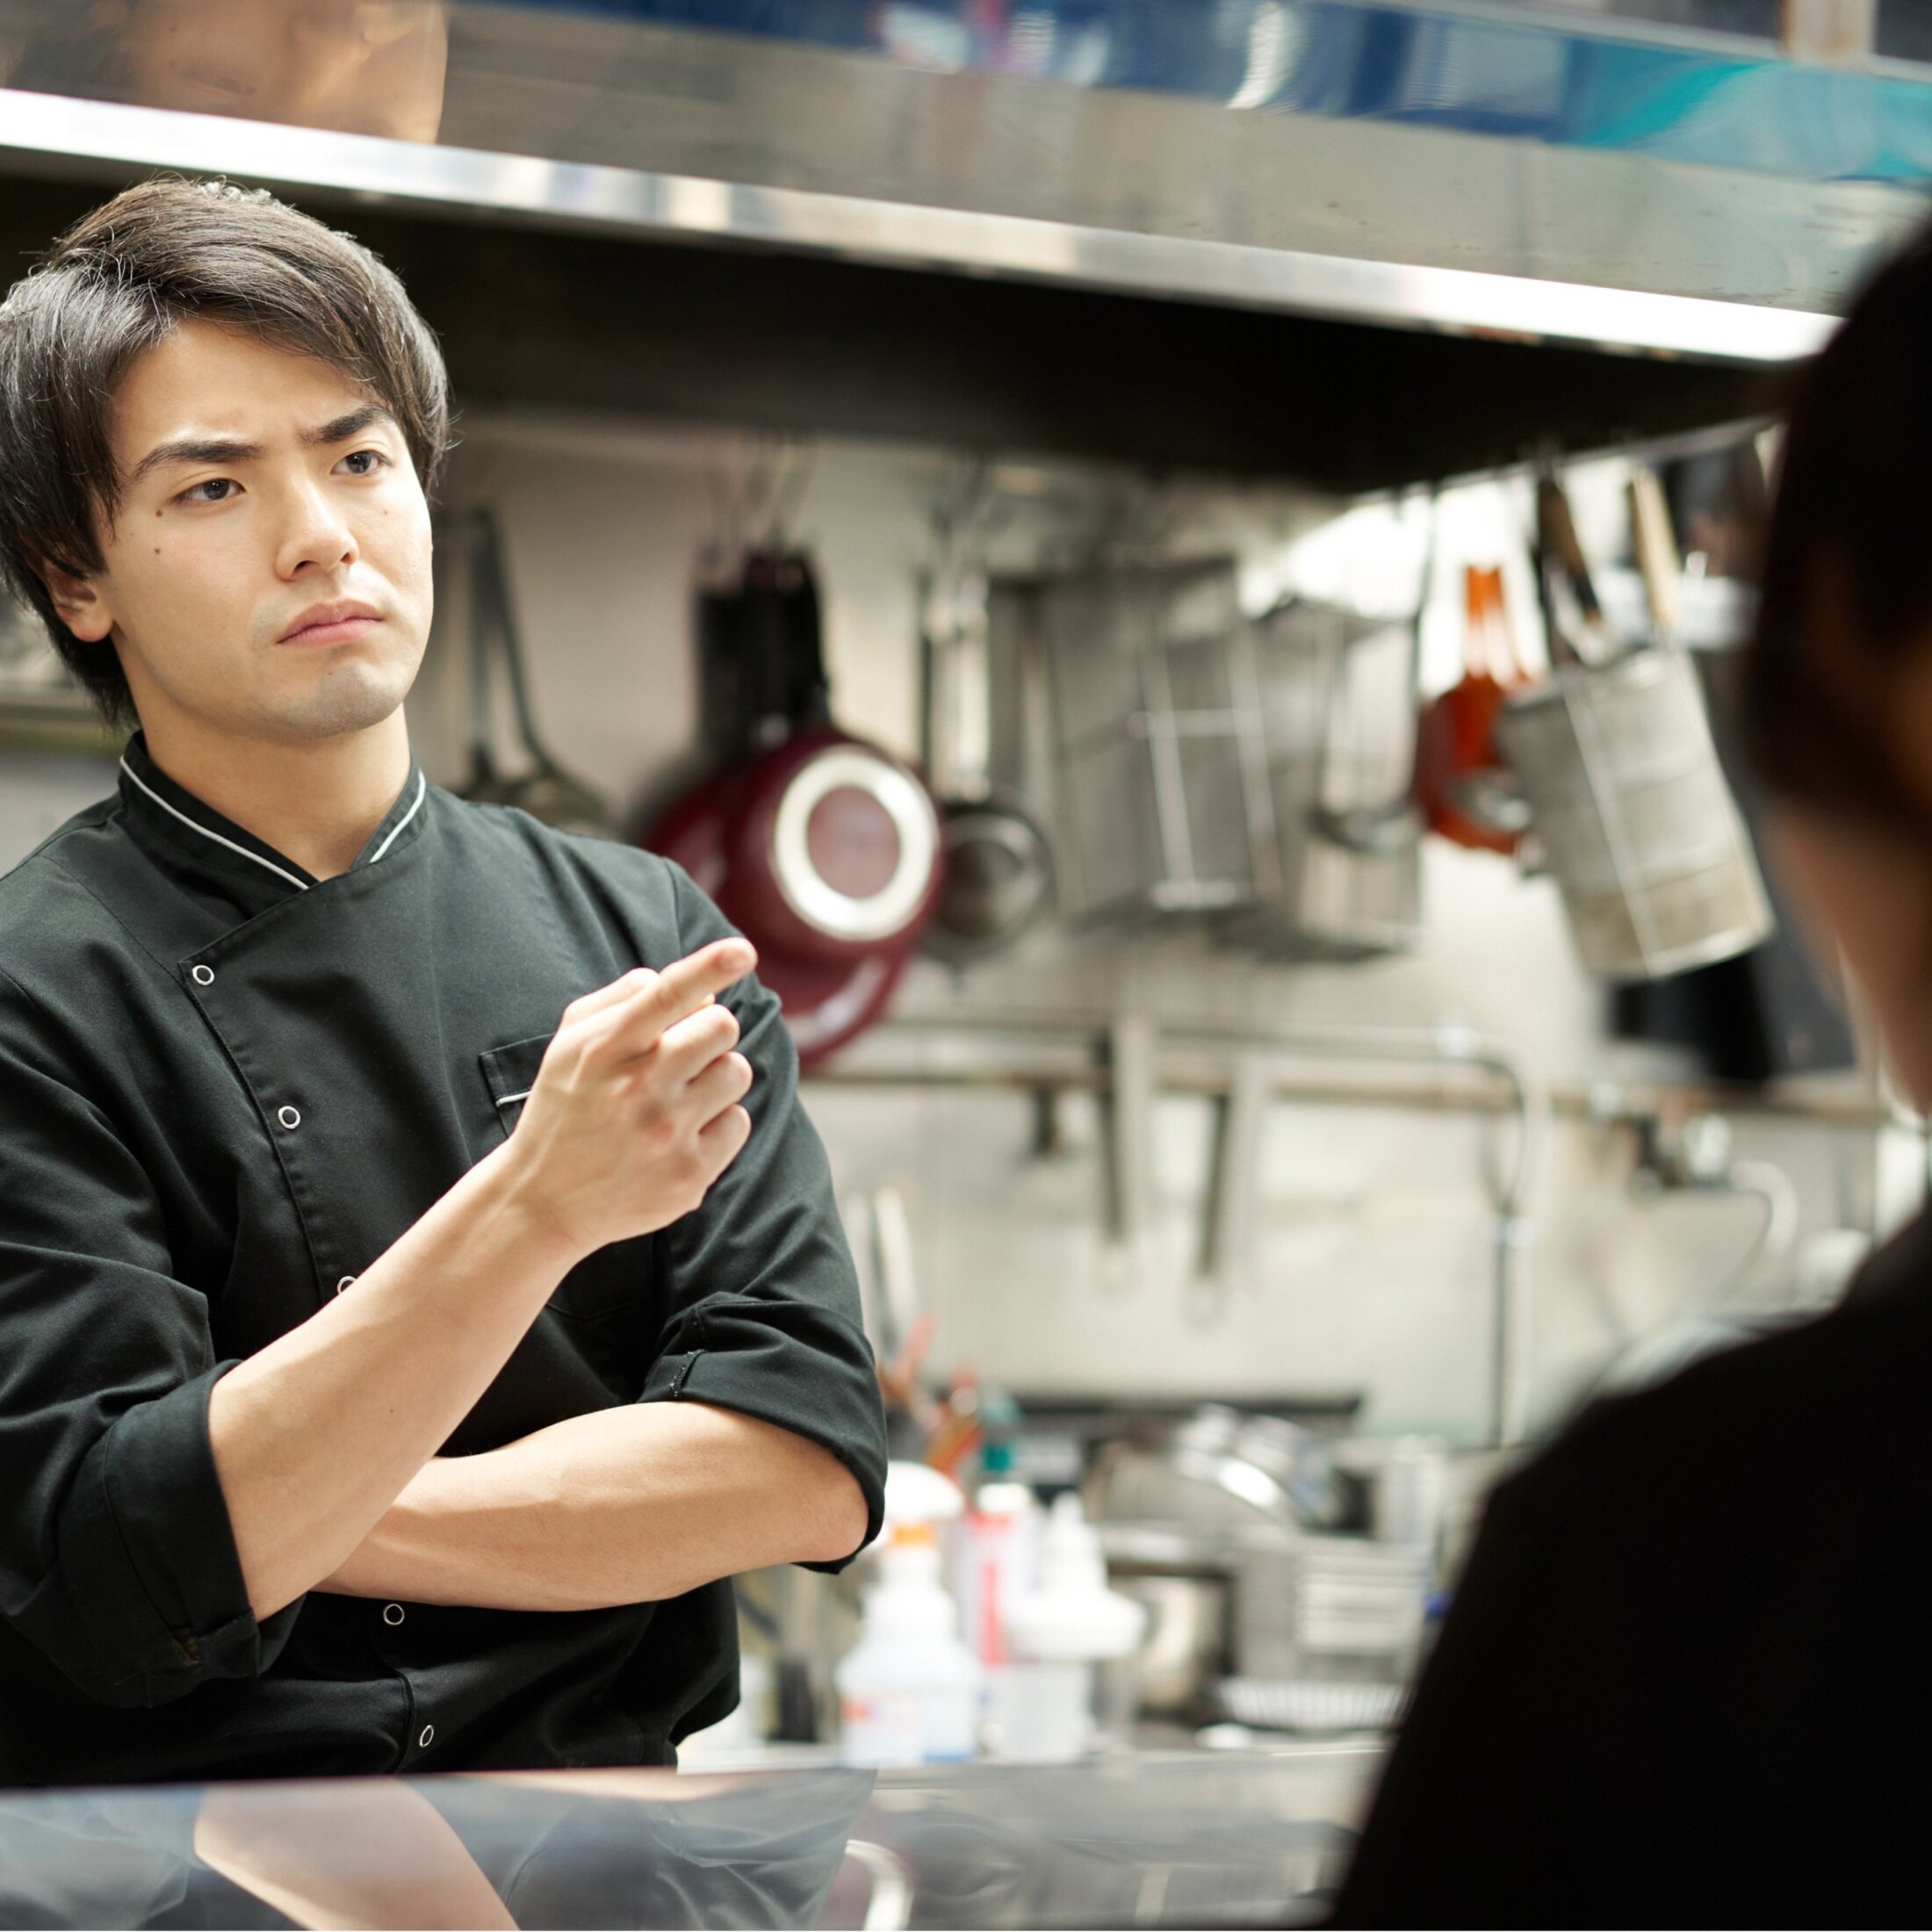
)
(365, 462)
(217, 489)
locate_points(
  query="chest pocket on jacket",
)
(511, 1072)
(615, 1279)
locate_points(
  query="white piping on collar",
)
(423, 786)
(280, 872)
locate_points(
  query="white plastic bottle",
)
(997, 1558)
(909, 1690)
(1043, 1705)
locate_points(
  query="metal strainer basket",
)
(1630, 804)
(1338, 695)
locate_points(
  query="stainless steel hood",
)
(1390, 164)
(1483, 172)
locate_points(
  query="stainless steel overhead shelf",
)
(1446, 167)
(1355, 240)
(37, 128)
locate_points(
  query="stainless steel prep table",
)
(1181, 1839)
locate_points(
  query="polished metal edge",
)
(682, 207)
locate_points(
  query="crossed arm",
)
(622, 1506)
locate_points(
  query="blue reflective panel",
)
(1706, 84)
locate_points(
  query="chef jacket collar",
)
(209, 841)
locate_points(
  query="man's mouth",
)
(331, 624)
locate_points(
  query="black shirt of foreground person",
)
(1688, 1674)
(226, 1086)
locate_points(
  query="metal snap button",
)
(428, 1738)
(392, 1614)
(204, 975)
(347, 1280)
(289, 1117)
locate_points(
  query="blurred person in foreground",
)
(1687, 1678)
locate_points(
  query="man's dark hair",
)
(117, 284)
(1845, 582)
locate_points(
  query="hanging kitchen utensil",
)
(823, 848)
(546, 789)
(1573, 615)
(1630, 804)
(1163, 806)
(486, 783)
(999, 863)
(1656, 552)
(1337, 718)
(1466, 791)
(761, 654)
(834, 850)
(1344, 809)
(1762, 1013)
(1387, 824)
(825, 1006)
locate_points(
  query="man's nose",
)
(315, 535)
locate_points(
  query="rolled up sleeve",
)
(762, 1299)
(117, 1557)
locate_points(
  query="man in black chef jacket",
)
(420, 1286)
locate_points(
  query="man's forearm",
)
(622, 1506)
(316, 1434)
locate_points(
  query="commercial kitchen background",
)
(1545, 144)
(1371, 1269)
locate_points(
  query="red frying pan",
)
(825, 850)
(820, 853)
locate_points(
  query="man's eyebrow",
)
(238, 450)
(194, 450)
(344, 427)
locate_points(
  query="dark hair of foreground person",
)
(1686, 1677)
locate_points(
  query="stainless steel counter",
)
(1183, 1839)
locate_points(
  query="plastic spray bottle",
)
(1058, 1634)
(909, 1690)
(997, 1555)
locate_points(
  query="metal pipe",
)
(1458, 1047)
(1602, 1103)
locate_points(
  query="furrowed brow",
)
(194, 450)
(344, 427)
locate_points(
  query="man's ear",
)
(78, 604)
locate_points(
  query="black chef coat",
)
(1687, 1677)
(226, 1087)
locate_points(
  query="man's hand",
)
(635, 1109)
